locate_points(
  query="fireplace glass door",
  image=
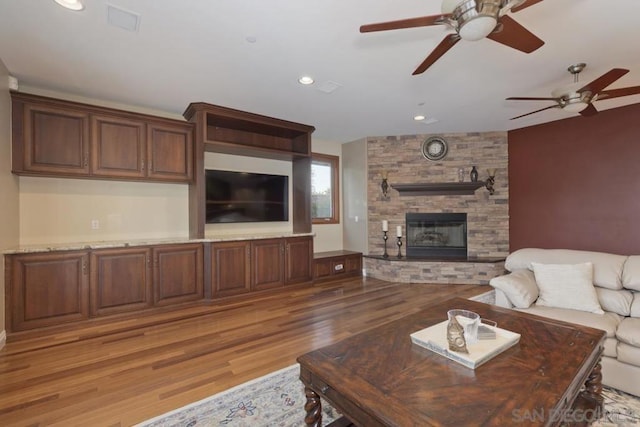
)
(436, 235)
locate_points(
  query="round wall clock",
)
(434, 148)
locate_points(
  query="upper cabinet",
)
(61, 138)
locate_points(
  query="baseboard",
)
(3, 338)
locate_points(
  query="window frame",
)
(334, 161)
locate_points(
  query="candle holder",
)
(385, 237)
(399, 243)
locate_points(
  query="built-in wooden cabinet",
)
(61, 138)
(231, 268)
(178, 273)
(298, 260)
(46, 289)
(49, 139)
(225, 130)
(267, 263)
(336, 264)
(120, 280)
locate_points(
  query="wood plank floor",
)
(123, 373)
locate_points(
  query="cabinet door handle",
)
(84, 267)
(150, 165)
(86, 161)
(142, 165)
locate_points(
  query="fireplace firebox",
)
(436, 235)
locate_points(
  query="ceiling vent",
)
(123, 19)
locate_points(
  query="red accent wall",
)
(575, 183)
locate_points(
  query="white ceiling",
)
(197, 50)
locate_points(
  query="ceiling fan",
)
(578, 97)
(471, 20)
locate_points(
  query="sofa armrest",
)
(519, 287)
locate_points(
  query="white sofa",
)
(531, 286)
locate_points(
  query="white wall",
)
(328, 237)
(9, 219)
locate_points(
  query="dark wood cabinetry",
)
(267, 259)
(61, 138)
(336, 264)
(225, 130)
(230, 268)
(298, 260)
(120, 280)
(49, 139)
(177, 273)
(47, 289)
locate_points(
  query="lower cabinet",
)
(120, 280)
(267, 263)
(299, 260)
(230, 268)
(177, 273)
(336, 264)
(47, 289)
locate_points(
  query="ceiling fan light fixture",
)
(477, 28)
(71, 4)
(575, 106)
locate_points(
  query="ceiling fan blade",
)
(615, 93)
(423, 21)
(589, 111)
(528, 98)
(604, 80)
(515, 35)
(524, 5)
(446, 44)
(537, 111)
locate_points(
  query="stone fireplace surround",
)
(487, 216)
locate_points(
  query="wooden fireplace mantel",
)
(439, 188)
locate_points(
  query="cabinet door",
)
(267, 263)
(54, 139)
(170, 152)
(177, 273)
(298, 259)
(231, 268)
(120, 280)
(118, 147)
(353, 264)
(47, 289)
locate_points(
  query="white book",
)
(434, 338)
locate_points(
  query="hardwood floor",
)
(125, 372)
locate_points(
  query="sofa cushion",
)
(616, 301)
(628, 354)
(635, 305)
(608, 322)
(607, 268)
(567, 286)
(520, 287)
(610, 347)
(631, 273)
(629, 331)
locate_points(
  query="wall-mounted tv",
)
(246, 197)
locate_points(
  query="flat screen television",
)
(246, 197)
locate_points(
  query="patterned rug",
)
(278, 400)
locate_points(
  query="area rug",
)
(277, 400)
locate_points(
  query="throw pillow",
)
(520, 287)
(567, 286)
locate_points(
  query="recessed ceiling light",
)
(305, 80)
(419, 117)
(71, 4)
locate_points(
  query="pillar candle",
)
(399, 231)
(385, 225)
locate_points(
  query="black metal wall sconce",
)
(491, 180)
(385, 184)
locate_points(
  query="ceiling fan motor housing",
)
(476, 19)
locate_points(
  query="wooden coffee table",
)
(380, 378)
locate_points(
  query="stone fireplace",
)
(436, 235)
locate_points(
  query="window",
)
(325, 207)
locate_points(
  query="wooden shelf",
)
(438, 189)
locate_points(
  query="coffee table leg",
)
(590, 399)
(313, 407)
